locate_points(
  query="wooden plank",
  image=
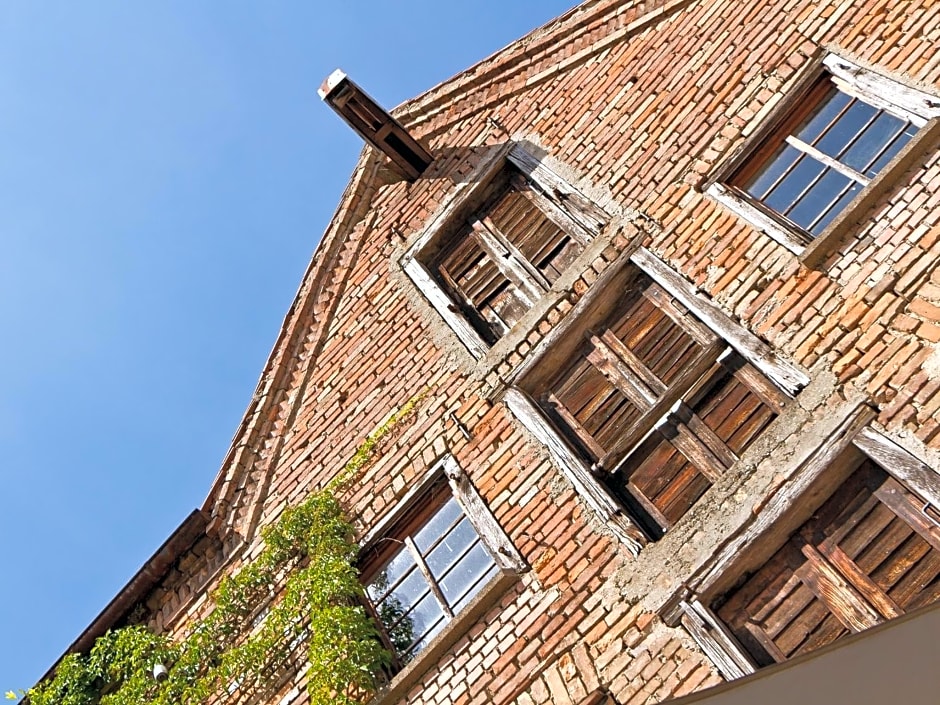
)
(649, 506)
(510, 263)
(613, 348)
(494, 538)
(445, 307)
(902, 503)
(620, 376)
(914, 473)
(919, 586)
(683, 492)
(706, 436)
(836, 592)
(582, 433)
(557, 215)
(919, 106)
(492, 233)
(877, 597)
(756, 217)
(580, 208)
(715, 640)
(698, 453)
(784, 374)
(762, 638)
(679, 315)
(571, 466)
(655, 413)
(768, 392)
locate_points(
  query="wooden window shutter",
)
(659, 405)
(870, 553)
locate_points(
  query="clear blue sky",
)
(166, 170)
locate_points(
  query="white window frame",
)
(921, 108)
(494, 538)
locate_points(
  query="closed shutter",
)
(870, 553)
(508, 256)
(659, 405)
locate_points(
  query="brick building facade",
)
(668, 300)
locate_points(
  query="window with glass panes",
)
(822, 155)
(423, 571)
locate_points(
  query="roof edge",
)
(149, 575)
(513, 58)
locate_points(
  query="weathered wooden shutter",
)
(659, 405)
(510, 254)
(871, 552)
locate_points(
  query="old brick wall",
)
(637, 103)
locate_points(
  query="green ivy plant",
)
(303, 588)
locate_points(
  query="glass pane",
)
(849, 125)
(829, 108)
(892, 150)
(819, 199)
(400, 564)
(468, 576)
(437, 526)
(785, 195)
(424, 622)
(839, 206)
(776, 166)
(409, 591)
(451, 548)
(872, 141)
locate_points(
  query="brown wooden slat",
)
(796, 619)
(656, 411)
(882, 544)
(750, 428)
(621, 351)
(685, 489)
(584, 390)
(649, 506)
(704, 433)
(583, 435)
(619, 416)
(768, 644)
(679, 314)
(767, 391)
(620, 376)
(658, 464)
(698, 453)
(905, 558)
(557, 215)
(787, 606)
(912, 590)
(840, 531)
(760, 593)
(511, 264)
(877, 597)
(828, 630)
(905, 505)
(840, 597)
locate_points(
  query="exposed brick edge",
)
(525, 52)
(305, 326)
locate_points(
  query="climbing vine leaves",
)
(302, 593)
